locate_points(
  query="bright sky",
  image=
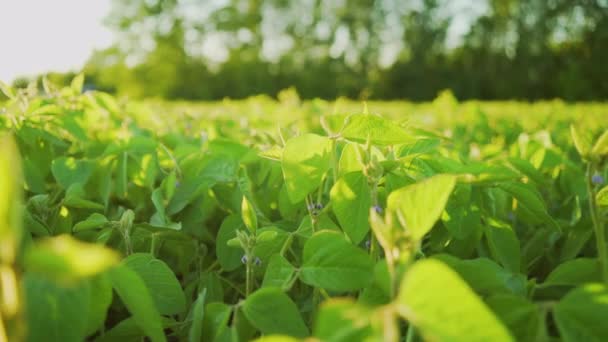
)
(49, 35)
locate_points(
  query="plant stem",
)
(411, 332)
(334, 158)
(600, 235)
(249, 276)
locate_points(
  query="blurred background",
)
(361, 49)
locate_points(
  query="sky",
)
(50, 35)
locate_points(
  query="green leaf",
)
(100, 300)
(601, 198)
(582, 142)
(600, 149)
(528, 198)
(574, 272)
(65, 258)
(278, 273)
(228, 257)
(351, 199)
(504, 244)
(54, 312)
(7, 90)
(419, 206)
(198, 314)
(485, 276)
(134, 293)
(580, 315)
(380, 131)
(444, 308)
(68, 171)
(10, 200)
(305, 159)
(272, 312)
(95, 221)
(77, 83)
(249, 215)
(161, 282)
(342, 320)
(75, 197)
(215, 320)
(332, 263)
(518, 314)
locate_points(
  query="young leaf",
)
(100, 300)
(520, 315)
(228, 257)
(332, 263)
(600, 149)
(351, 200)
(580, 314)
(305, 160)
(581, 142)
(77, 83)
(419, 206)
(444, 308)
(198, 314)
(601, 198)
(249, 215)
(134, 293)
(272, 312)
(527, 197)
(95, 221)
(361, 127)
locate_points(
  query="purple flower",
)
(177, 183)
(597, 179)
(319, 206)
(244, 259)
(378, 209)
(368, 243)
(257, 261)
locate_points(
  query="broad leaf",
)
(351, 200)
(272, 312)
(580, 315)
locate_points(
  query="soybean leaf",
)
(582, 142)
(135, 295)
(504, 244)
(215, 320)
(100, 300)
(351, 200)
(229, 257)
(518, 314)
(342, 320)
(527, 197)
(65, 258)
(68, 171)
(600, 149)
(602, 197)
(361, 127)
(198, 313)
(55, 312)
(272, 312)
(305, 160)
(575, 272)
(332, 263)
(580, 314)
(278, 273)
(95, 221)
(419, 206)
(161, 282)
(444, 308)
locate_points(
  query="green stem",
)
(334, 158)
(153, 245)
(600, 235)
(286, 245)
(249, 276)
(411, 332)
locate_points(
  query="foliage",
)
(471, 223)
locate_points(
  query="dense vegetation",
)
(382, 49)
(235, 220)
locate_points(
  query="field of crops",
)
(289, 220)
